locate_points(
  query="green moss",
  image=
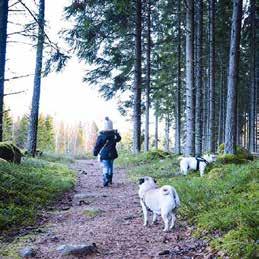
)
(27, 188)
(216, 173)
(225, 200)
(57, 158)
(91, 213)
(240, 243)
(241, 154)
(10, 152)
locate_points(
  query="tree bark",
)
(167, 133)
(230, 128)
(189, 127)
(198, 102)
(148, 54)
(33, 125)
(3, 37)
(252, 104)
(178, 86)
(221, 109)
(156, 129)
(137, 81)
(211, 128)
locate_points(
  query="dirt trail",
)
(117, 229)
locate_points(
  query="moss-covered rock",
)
(10, 152)
(241, 153)
(231, 159)
(157, 154)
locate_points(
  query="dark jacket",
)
(106, 143)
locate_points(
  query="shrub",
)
(59, 158)
(27, 188)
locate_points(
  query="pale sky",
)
(63, 95)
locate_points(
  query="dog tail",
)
(166, 190)
(179, 158)
(169, 190)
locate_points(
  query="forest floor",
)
(112, 219)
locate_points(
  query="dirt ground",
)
(112, 219)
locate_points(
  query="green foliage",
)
(57, 158)
(21, 130)
(240, 243)
(224, 200)
(126, 159)
(91, 213)
(27, 188)
(7, 126)
(45, 139)
(242, 156)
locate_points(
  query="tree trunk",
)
(221, 109)
(198, 102)
(178, 86)
(156, 130)
(211, 128)
(189, 128)
(252, 104)
(3, 37)
(33, 125)
(230, 128)
(204, 114)
(167, 133)
(137, 81)
(148, 53)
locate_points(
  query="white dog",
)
(161, 201)
(195, 163)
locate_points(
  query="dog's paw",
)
(145, 224)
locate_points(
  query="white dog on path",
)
(161, 201)
(195, 163)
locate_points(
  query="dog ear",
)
(141, 180)
(154, 180)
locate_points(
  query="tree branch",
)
(18, 77)
(15, 93)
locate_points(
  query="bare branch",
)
(18, 77)
(12, 5)
(14, 93)
(36, 20)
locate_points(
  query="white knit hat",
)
(107, 124)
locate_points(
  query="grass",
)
(27, 188)
(57, 158)
(224, 201)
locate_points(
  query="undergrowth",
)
(223, 204)
(57, 158)
(27, 188)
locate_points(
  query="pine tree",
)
(189, 127)
(7, 126)
(231, 117)
(3, 38)
(33, 125)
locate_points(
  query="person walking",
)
(105, 148)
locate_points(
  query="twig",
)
(17, 77)
(36, 20)
(15, 93)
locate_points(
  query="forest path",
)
(117, 229)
